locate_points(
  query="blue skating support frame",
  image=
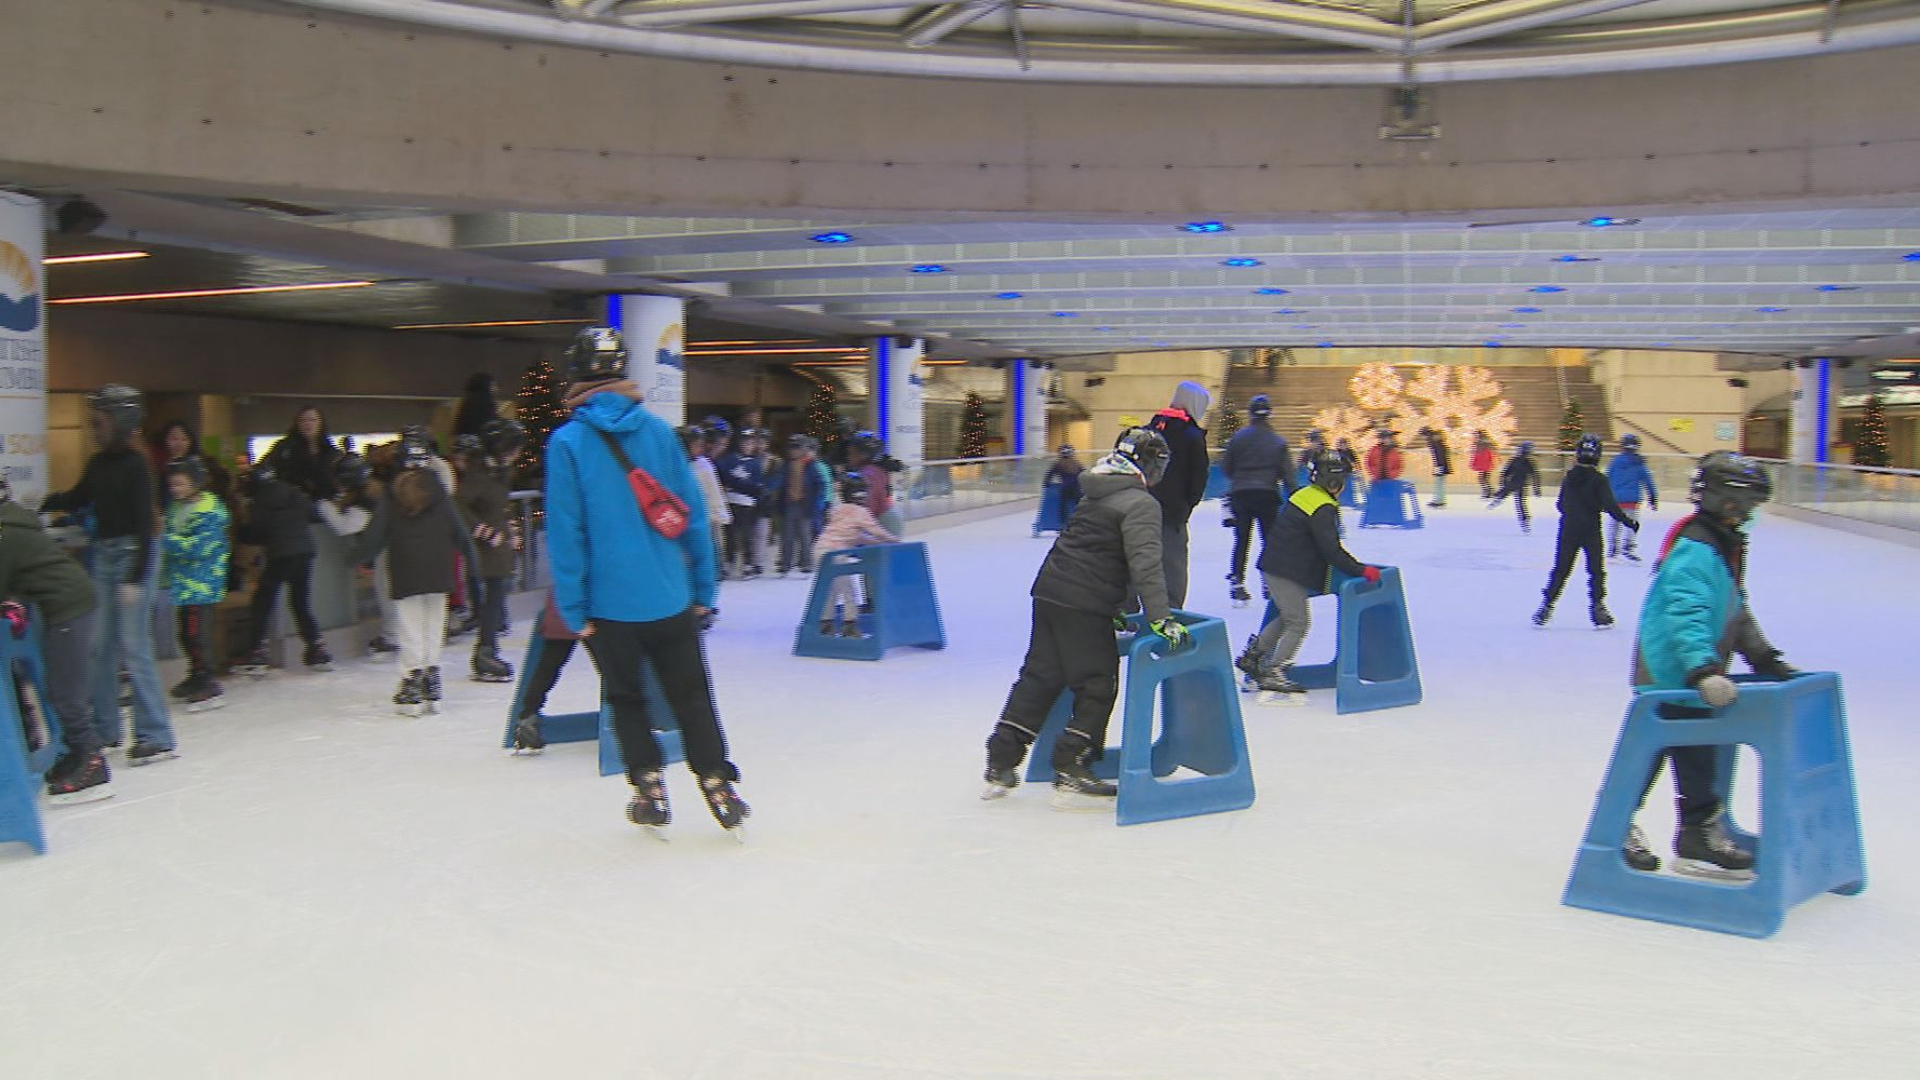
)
(1374, 663)
(1350, 496)
(21, 769)
(1392, 504)
(1216, 483)
(1200, 729)
(1048, 518)
(899, 589)
(1808, 807)
(597, 725)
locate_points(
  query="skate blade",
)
(526, 751)
(1079, 802)
(322, 669)
(492, 678)
(410, 711)
(433, 707)
(155, 759)
(1281, 698)
(206, 706)
(739, 834)
(995, 791)
(658, 833)
(97, 793)
(1697, 868)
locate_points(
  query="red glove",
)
(16, 617)
(1372, 574)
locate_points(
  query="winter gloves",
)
(1717, 690)
(1371, 573)
(1173, 631)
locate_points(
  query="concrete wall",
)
(274, 102)
(1140, 385)
(1677, 398)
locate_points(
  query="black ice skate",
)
(1000, 782)
(1542, 616)
(317, 658)
(206, 695)
(648, 807)
(1249, 660)
(1637, 853)
(184, 687)
(147, 754)
(1240, 596)
(74, 782)
(1705, 850)
(431, 690)
(409, 700)
(380, 646)
(1602, 618)
(1274, 680)
(1005, 752)
(489, 668)
(253, 665)
(526, 735)
(1630, 553)
(1074, 785)
(726, 805)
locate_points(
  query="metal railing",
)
(1886, 497)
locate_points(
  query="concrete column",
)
(894, 400)
(1813, 416)
(1026, 409)
(655, 329)
(23, 350)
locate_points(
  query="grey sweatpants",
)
(1280, 639)
(1173, 561)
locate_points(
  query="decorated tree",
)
(541, 407)
(821, 407)
(1870, 442)
(1227, 423)
(973, 426)
(1572, 426)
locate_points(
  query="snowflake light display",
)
(1346, 422)
(1377, 387)
(1471, 404)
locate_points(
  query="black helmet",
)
(1066, 450)
(853, 488)
(1587, 450)
(866, 442)
(122, 405)
(468, 445)
(1629, 441)
(1147, 449)
(190, 467)
(502, 438)
(415, 454)
(1260, 407)
(597, 354)
(800, 441)
(351, 472)
(1729, 487)
(717, 428)
(1524, 448)
(690, 434)
(1329, 471)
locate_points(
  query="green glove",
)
(1121, 625)
(1174, 631)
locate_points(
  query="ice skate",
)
(253, 665)
(1630, 553)
(489, 668)
(1545, 614)
(408, 700)
(206, 696)
(1000, 782)
(1074, 785)
(648, 808)
(1249, 661)
(851, 629)
(182, 688)
(74, 782)
(1705, 850)
(1274, 680)
(526, 735)
(1602, 618)
(431, 690)
(1240, 596)
(317, 658)
(826, 627)
(380, 646)
(725, 804)
(1637, 853)
(148, 754)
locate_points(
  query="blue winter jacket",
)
(1630, 478)
(608, 563)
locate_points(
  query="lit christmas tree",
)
(1870, 443)
(821, 408)
(973, 426)
(1572, 426)
(1227, 423)
(540, 407)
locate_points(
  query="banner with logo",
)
(655, 330)
(23, 353)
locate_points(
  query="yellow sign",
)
(1682, 424)
(1129, 422)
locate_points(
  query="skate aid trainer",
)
(899, 591)
(1200, 729)
(29, 737)
(596, 725)
(1374, 665)
(1392, 504)
(1810, 841)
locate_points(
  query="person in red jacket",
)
(1482, 462)
(1384, 461)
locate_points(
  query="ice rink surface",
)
(320, 889)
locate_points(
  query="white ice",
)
(319, 889)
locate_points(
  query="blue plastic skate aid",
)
(1374, 665)
(597, 726)
(899, 590)
(561, 728)
(1200, 729)
(1216, 483)
(1048, 519)
(1392, 504)
(1809, 810)
(1349, 496)
(20, 768)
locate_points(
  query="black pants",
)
(196, 637)
(490, 604)
(672, 646)
(743, 537)
(296, 573)
(554, 655)
(1568, 548)
(1251, 506)
(67, 652)
(1068, 650)
(1519, 503)
(1695, 770)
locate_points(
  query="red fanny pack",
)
(662, 508)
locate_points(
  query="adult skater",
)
(635, 590)
(1442, 464)
(279, 520)
(1108, 553)
(1185, 481)
(1584, 496)
(1695, 615)
(1629, 476)
(1297, 564)
(1384, 461)
(1256, 463)
(1519, 474)
(1481, 461)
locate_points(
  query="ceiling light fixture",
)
(1269, 291)
(831, 238)
(1526, 311)
(1288, 311)
(1066, 314)
(105, 256)
(837, 350)
(1839, 288)
(1576, 258)
(498, 322)
(1547, 289)
(1769, 310)
(929, 268)
(1204, 227)
(196, 294)
(1241, 263)
(1609, 222)
(1008, 296)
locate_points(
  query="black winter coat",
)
(1442, 456)
(483, 501)
(1306, 542)
(1519, 473)
(420, 546)
(1185, 482)
(278, 520)
(1109, 552)
(1257, 459)
(1584, 496)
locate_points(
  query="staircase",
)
(1298, 393)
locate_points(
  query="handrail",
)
(1646, 433)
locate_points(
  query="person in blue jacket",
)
(1696, 615)
(797, 492)
(1629, 476)
(631, 592)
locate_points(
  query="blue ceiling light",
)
(1206, 227)
(1513, 326)
(1241, 262)
(1494, 343)
(1547, 289)
(1839, 288)
(832, 238)
(1662, 345)
(1288, 311)
(1526, 311)
(1912, 256)
(1576, 258)
(1323, 344)
(1066, 314)
(1306, 326)
(1163, 344)
(1269, 290)
(929, 268)
(1769, 310)
(1103, 329)
(1609, 222)
(1008, 295)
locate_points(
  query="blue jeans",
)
(124, 638)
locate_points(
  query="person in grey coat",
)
(1256, 463)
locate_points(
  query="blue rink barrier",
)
(899, 590)
(1216, 483)
(1392, 504)
(1809, 810)
(1200, 729)
(1049, 519)
(597, 725)
(1374, 665)
(20, 767)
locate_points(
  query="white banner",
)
(655, 330)
(23, 351)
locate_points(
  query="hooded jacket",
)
(1584, 496)
(1109, 551)
(1257, 459)
(1630, 478)
(419, 529)
(1185, 482)
(1305, 546)
(35, 570)
(608, 563)
(1695, 613)
(193, 565)
(278, 517)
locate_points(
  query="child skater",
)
(1514, 480)
(1628, 475)
(1108, 553)
(486, 506)
(851, 524)
(194, 572)
(348, 513)
(1584, 496)
(421, 534)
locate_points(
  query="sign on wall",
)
(1680, 424)
(1724, 431)
(23, 356)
